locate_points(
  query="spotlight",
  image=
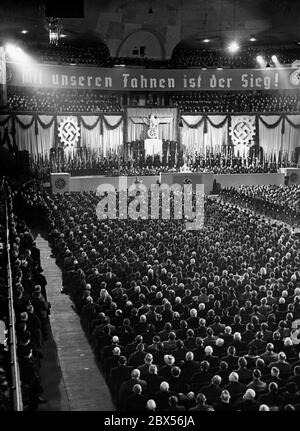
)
(206, 40)
(252, 38)
(259, 59)
(63, 35)
(274, 59)
(24, 31)
(233, 47)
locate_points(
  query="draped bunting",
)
(45, 138)
(201, 134)
(25, 121)
(90, 132)
(40, 120)
(112, 134)
(270, 135)
(278, 135)
(291, 138)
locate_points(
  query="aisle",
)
(80, 387)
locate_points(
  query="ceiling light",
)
(63, 35)
(24, 31)
(252, 38)
(206, 40)
(233, 47)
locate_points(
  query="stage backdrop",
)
(137, 123)
(102, 134)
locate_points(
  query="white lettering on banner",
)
(248, 81)
(98, 81)
(32, 77)
(215, 82)
(129, 82)
(191, 82)
(65, 80)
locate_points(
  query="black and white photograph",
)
(149, 210)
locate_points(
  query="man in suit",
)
(284, 367)
(153, 380)
(136, 401)
(137, 358)
(162, 396)
(234, 387)
(210, 358)
(269, 355)
(201, 404)
(213, 390)
(118, 375)
(248, 402)
(126, 388)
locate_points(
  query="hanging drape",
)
(137, 127)
(215, 137)
(191, 134)
(112, 134)
(270, 134)
(203, 134)
(26, 134)
(45, 138)
(90, 132)
(291, 139)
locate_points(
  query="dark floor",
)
(70, 376)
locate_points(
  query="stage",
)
(63, 182)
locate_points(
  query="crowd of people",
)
(181, 58)
(56, 101)
(239, 101)
(31, 309)
(96, 56)
(181, 320)
(274, 201)
(115, 165)
(245, 58)
(5, 372)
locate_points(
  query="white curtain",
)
(270, 139)
(26, 139)
(291, 138)
(137, 129)
(191, 138)
(91, 138)
(216, 137)
(112, 137)
(45, 137)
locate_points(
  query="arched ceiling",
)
(186, 22)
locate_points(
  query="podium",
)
(60, 182)
(153, 147)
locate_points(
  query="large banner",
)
(130, 79)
